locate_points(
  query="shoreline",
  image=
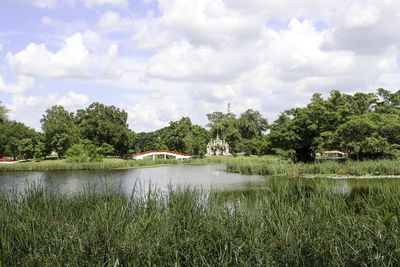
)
(105, 165)
(347, 177)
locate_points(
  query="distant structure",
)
(164, 153)
(6, 160)
(217, 147)
(332, 155)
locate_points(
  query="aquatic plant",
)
(274, 166)
(285, 222)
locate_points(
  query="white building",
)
(217, 147)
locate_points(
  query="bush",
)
(86, 151)
(77, 153)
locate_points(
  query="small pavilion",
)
(217, 147)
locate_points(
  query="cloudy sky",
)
(161, 60)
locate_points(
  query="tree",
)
(105, 124)
(174, 135)
(366, 125)
(388, 103)
(85, 151)
(196, 141)
(60, 143)
(60, 130)
(3, 113)
(107, 149)
(26, 148)
(226, 126)
(309, 129)
(11, 133)
(252, 124)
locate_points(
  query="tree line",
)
(102, 127)
(366, 125)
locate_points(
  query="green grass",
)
(282, 223)
(276, 166)
(106, 164)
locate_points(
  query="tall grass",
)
(107, 164)
(279, 224)
(273, 166)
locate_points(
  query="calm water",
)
(207, 177)
(198, 176)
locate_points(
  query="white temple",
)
(217, 147)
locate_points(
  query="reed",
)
(281, 223)
(273, 166)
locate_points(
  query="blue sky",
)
(161, 60)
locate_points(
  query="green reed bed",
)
(282, 223)
(273, 166)
(107, 164)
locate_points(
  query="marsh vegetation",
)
(277, 166)
(281, 223)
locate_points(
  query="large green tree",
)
(106, 124)
(369, 136)
(60, 129)
(252, 124)
(11, 134)
(180, 136)
(226, 126)
(364, 124)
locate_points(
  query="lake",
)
(206, 177)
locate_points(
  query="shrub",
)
(77, 153)
(86, 151)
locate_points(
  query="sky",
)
(166, 59)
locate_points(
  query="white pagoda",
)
(217, 147)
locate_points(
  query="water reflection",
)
(205, 177)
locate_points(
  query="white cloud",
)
(72, 60)
(29, 109)
(112, 21)
(209, 22)
(47, 20)
(22, 84)
(146, 39)
(143, 116)
(287, 9)
(45, 3)
(117, 3)
(207, 53)
(91, 37)
(73, 100)
(185, 62)
(357, 16)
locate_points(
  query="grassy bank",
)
(275, 166)
(279, 224)
(106, 164)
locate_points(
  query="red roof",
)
(6, 159)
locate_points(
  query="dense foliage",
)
(85, 151)
(365, 125)
(103, 124)
(180, 136)
(244, 134)
(279, 224)
(18, 140)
